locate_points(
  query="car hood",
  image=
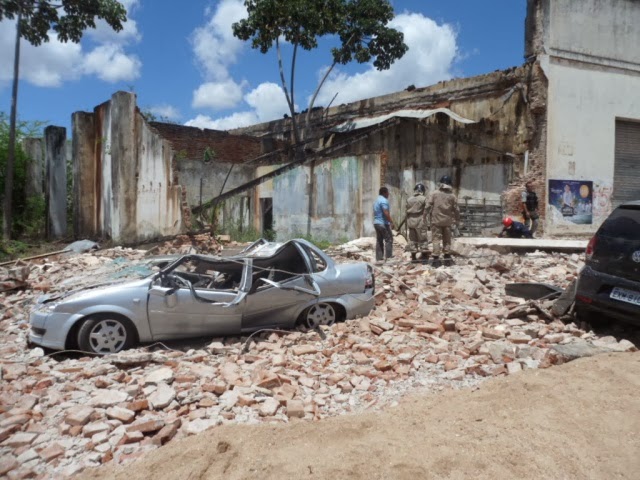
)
(94, 291)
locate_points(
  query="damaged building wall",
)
(123, 181)
(137, 180)
(484, 158)
(594, 79)
(344, 190)
(208, 160)
(159, 196)
(204, 180)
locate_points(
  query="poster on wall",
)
(571, 201)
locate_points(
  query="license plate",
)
(623, 295)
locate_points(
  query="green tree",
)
(29, 218)
(34, 19)
(361, 26)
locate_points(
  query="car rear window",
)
(623, 223)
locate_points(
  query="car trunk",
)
(617, 244)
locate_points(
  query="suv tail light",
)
(591, 247)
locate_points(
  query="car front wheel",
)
(105, 334)
(319, 314)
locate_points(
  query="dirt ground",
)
(579, 420)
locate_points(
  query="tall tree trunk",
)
(8, 180)
(292, 107)
(315, 94)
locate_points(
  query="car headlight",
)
(46, 307)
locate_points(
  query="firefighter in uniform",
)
(417, 222)
(444, 213)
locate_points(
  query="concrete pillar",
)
(85, 176)
(124, 166)
(55, 139)
(35, 167)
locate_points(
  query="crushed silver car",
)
(267, 285)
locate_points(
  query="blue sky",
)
(181, 60)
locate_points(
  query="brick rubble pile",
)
(432, 329)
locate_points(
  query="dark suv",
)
(609, 284)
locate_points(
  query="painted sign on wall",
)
(602, 204)
(572, 200)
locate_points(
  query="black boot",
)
(448, 260)
(435, 261)
(413, 256)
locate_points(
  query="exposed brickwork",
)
(192, 142)
(537, 89)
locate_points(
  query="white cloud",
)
(235, 120)
(217, 95)
(111, 64)
(268, 101)
(103, 33)
(214, 45)
(53, 62)
(45, 66)
(165, 111)
(432, 51)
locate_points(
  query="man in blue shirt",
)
(515, 229)
(382, 223)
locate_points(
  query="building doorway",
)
(266, 214)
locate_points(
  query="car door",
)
(275, 303)
(181, 312)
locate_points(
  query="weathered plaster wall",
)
(484, 158)
(55, 139)
(345, 189)
(33, 148)
(581, 143)
(158, 197)
(203, 181)
(85, 206)
(594, 77)
(124, 186)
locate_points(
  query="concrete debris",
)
(432, 329)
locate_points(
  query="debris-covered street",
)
(431, 330)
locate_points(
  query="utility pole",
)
(8, 180)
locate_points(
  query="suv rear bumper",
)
(594, 294)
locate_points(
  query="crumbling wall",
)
(483, 158)
(33, 148)
(55, 139)
(123, 181)
(536, 145)
(192, 143)
(344, 189)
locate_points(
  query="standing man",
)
(382, 223)
(444, 213)
(530, 208)
(417, 221)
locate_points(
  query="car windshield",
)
(623, 223)
(213, 275)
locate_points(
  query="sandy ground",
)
(579, 420)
